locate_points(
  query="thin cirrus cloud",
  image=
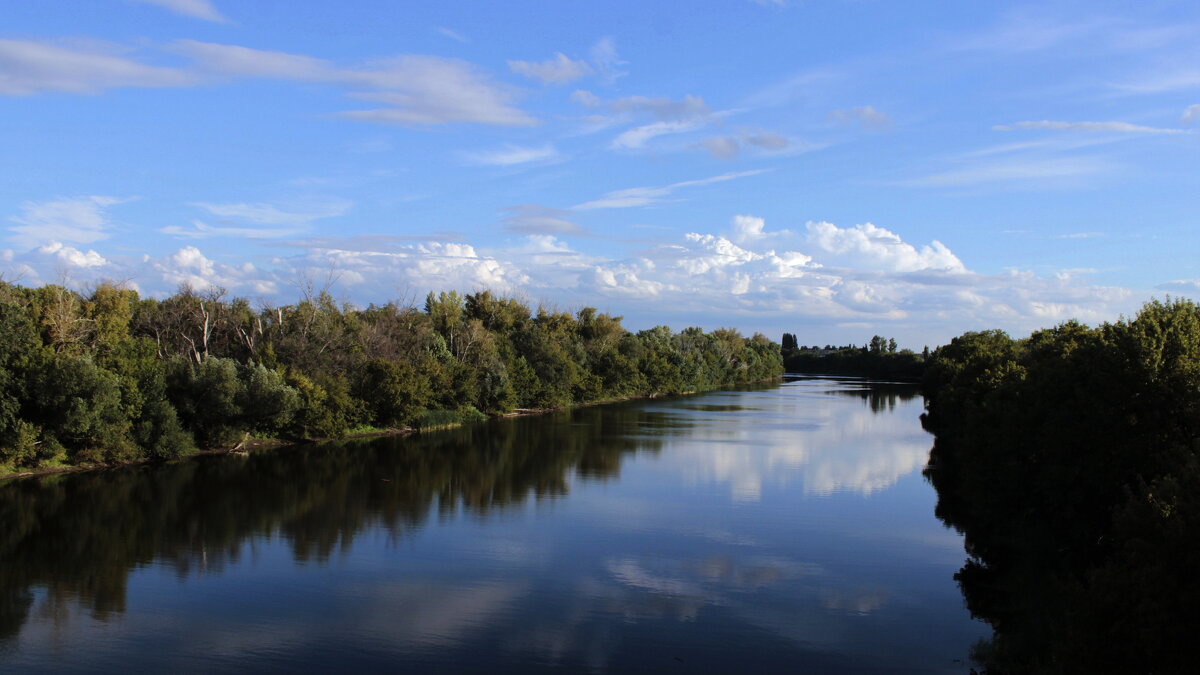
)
(1101, 127)
(537, 219)
(80, 220)
(1191, 115)
(728, 147)
(865, 116)
(646, 196)
(28, 67)
(257, 221)
(1036, 172)
(416, 89)
(196, 9)
(558, 69)
(512, 155)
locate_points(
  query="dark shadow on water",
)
(80, 535)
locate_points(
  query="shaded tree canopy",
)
(1070, 460)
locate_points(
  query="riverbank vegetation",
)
(878, 359)
(1070, 460)
(109, 377)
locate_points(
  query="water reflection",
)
(809, 438)
(580, 540)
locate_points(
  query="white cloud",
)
(644, 196)
(1191, 115)
(28, 67)
(259, 221)
(865, 116)
(1109, 127)
(197, 9)
(201, 230)
(267, 214)
(606, 61)
(863, 275)
(871, 247)
(453, 34)
(77, 220)
(558, 69)
(416, 89)
(637, 137)
(510, 155)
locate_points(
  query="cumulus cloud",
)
(416, 89)
(1106, 127)
(558, 69)
(645, 196)
(28, 67)
(196, 9)
(869, 246)
(511, 155)
(864, 116)
(76, 220)
(862, 275)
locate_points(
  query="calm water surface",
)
(780, 529)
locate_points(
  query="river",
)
(783, 528)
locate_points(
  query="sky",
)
(831, 168)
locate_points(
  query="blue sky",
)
(833, 169)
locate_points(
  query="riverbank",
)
(250, 444)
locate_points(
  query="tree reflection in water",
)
(80, 535)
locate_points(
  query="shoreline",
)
(267, 443)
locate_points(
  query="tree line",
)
(109, 376)
(1070, 460)
(879, 359)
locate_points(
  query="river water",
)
(784, 528)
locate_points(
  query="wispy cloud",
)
(510, 155)
(80, 220)
(452, 34)
(537, 219)
(864, 116)
(258, 221)
(1191, 115)
(1109, 127)
(196, 9)
(416, 89)
(558, 69)
(644, 196)
(637, 137)
(28, 67)
(1044, 172)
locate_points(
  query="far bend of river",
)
(784, 528)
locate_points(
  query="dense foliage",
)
(111, 377)
(1071, 462)
(877, 359)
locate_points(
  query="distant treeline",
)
(111, 377)
(1070, 460)
(877, 359)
